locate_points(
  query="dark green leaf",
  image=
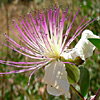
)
(84, 80)
(95, 42)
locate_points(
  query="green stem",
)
(72, 87)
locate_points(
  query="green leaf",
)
(84, 80)
(73, 73)
(95, 42)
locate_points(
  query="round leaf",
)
(73, 73)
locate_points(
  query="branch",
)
(72, 87)
(97, 95)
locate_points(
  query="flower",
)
(84, 48)
(45, 42)
(56, 78)
(92, 97)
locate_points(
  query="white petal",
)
(72, 54)
(48, 77)
(89, 34)
(84, 47)
(68, 94)
(56, 76)
(53, 91)
(56, 92)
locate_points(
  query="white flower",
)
(45, 42)
(84, 47)
(92, 97)
(56, 79)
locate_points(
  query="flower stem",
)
(97, 95)
(72, 87)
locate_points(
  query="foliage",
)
(84, 80)
(95, 42)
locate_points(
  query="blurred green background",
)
(14, 86)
